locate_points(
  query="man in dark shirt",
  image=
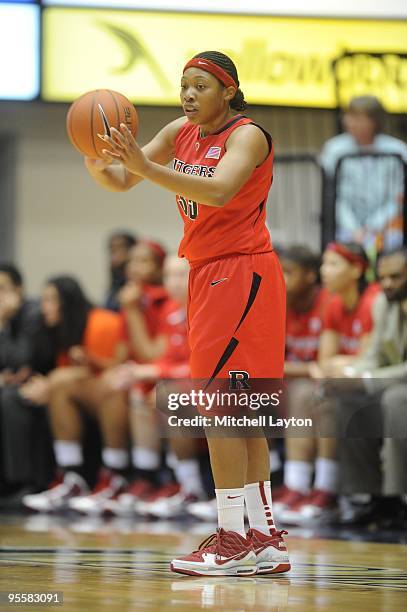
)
(19, 319)
(21, 353)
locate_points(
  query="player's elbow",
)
(117, 188)
(218, 198)
(221, 192)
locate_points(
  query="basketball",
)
(96, 112)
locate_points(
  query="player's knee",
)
(65, 378)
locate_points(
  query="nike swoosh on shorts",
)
(221, 280)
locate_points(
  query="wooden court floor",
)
(120, 565)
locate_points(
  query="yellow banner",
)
(281, 60)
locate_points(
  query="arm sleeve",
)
(330, 319)
(367, 320)
(328, 158)
(371, 358)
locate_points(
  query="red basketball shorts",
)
(236, 317)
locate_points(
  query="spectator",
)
(119, 247)
(369, 190)
(306, 303)
(347, 324)
(142, 299)
(378, 390)
(20, 320)
(84, 340)
(348, 317)
(144, 495)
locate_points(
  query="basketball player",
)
(221, 175)
(346, 326)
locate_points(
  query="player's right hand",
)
(130, 294)
(36, 390)
(77, 355)
(122, 377)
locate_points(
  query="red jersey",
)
(239, 227)
(151, 305)
(304, 329)
(175, 361)
(351, 325)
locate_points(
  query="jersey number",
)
(189, 207)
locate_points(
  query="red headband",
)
(208, 66)
(156, 248)
(353, 258)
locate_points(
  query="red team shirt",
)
(351, 325)
(152, 302)
(236, 309)
(304, 329)
(163, 316)
(239, 226)
(173, 325)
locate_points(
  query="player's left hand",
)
(315, 371)
(122, 377)
(36, 390)
(335, 366)
(129, 295)
(77, 355)
(125, 149)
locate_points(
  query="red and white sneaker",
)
(271, 552)
(168, 490)
(109, 486)
(317, 507)
(224, 553)
(284, 498)
(125, 503)
(58, 495)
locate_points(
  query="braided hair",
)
(223, 61)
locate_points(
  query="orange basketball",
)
(95, 113)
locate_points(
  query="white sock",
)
(259, 506)
(171, 460)
(326, 475)
(230, 504)
(189, 476)
(298, 475)
(275, 461)
(145, 458)
(115, 458)
(67, 453)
